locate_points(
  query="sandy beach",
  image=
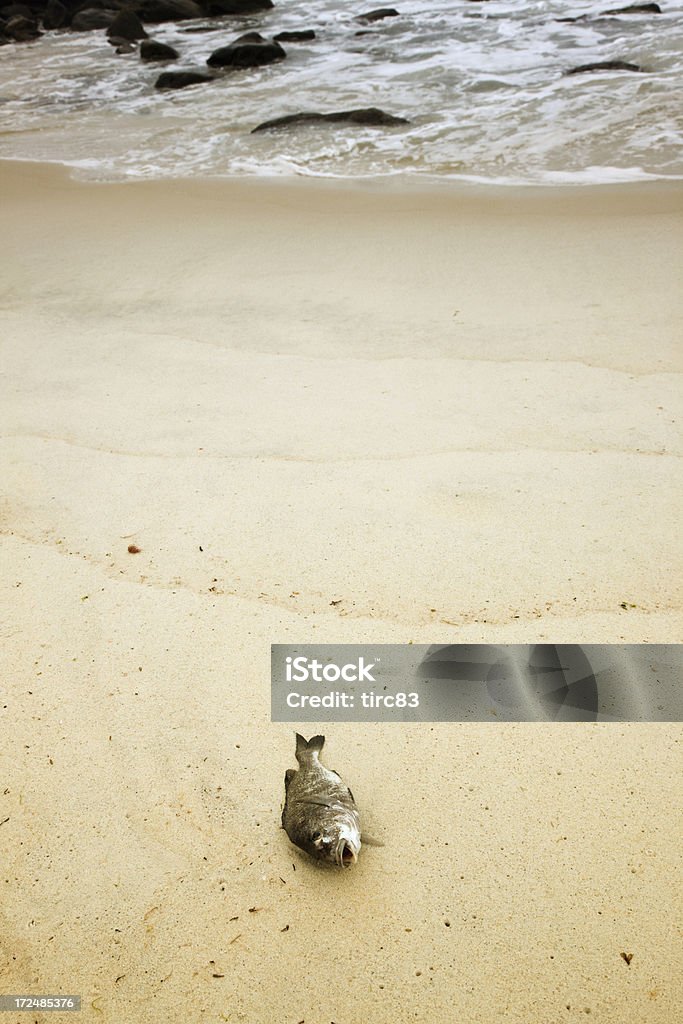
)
(332, 413)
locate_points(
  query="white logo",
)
(299, 670)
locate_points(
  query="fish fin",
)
(289, 775)
(370, 841)
(316, 743)
(351, 794)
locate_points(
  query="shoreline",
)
(390, 185)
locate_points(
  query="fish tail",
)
(312, 746)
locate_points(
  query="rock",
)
(16, 11)
(127, 25)
(219, 7)
(155, 11)
(634, 9)
(21, 30)
(379, 15)
(150, 49)
(180, 79)
(295, 37)
(367, 116)
(249, 51)
(55, 15)
(92, 18)
(604, 65)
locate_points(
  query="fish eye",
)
(315, 836)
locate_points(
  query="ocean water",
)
(482, 84)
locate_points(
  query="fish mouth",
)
(346, 854)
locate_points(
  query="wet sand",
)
(452, 413)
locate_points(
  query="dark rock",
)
(366, 116)
(127, 25)
(604, 65)
(155, 11)
(379, 15)
(150, 49)
(634, 9)
(91, 18)
(217, 8)
(249, 51)
(21, 30)
(295, 37)
(180, 79)
(55, 15)
(16, 11)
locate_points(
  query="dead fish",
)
(320, 815)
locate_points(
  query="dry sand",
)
(451, 411)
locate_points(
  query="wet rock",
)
(249, 51)
(379, 15)
(604, 65)
(16, 11)
(217, 8)
(367, 116)
(122, 46)
(156, 11)
(21, 30)
(92, 18)
(295, 37)
(180, 79)
(127, 25)
(55, 15)
(634, 9)
(150, 49)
